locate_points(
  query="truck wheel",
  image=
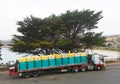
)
(92, 68)
(75, 69)
(98, 68)
(83, 69)
(27, 74)
(35, 74)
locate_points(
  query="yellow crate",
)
(30, 58)
(37, 57)
(57, 55)
(64, 55)
(71, 54)
(22, 59)
(77, 54)
(51, 56)
(82, 54)
(44, 57)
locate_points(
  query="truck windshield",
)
(11, 63)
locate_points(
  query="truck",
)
(33, 66)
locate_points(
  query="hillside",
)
(113, 36)
(6, 42)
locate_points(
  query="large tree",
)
(64, 31)
(76, 23)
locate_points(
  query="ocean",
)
(7, 55)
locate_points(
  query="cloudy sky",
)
(16, 10)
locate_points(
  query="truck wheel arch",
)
(75, 69)
(99, 67)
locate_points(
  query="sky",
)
(12, 11)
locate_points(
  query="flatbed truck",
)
(33, 66)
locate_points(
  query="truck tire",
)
(75, 69)
(35, 74)
(83, 69)
(99, 68)
(27, 74)
(92, 68)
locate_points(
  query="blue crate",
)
(38, 64)
(71, 60)
(30, 65)
(22, 66)
(58, 61)
(44, 63)
(51, 62)
(77, 60)
(83, 59)
(65, 61)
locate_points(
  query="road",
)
(110, 76)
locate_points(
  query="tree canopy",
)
(67, 31)
(92, 39)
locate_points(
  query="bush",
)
(3, 68)
(110, 61)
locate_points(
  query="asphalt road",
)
(110, 76)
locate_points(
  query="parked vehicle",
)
(73, 62)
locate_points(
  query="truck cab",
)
(13, 68)
(98, 61)
(95, 61)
